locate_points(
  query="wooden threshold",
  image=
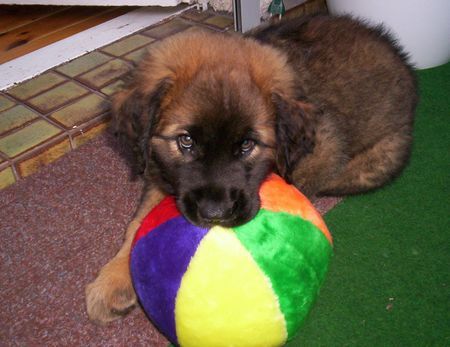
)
(24, 29)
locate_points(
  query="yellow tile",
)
(81, 111)
(161, 31)
(28, 137)
(32, 87)
(196, 15)
(82, 137)
(105, 74)
(33, 164)
(127, 45)
(57, 96)
(83, 64)
(6, 177)
(220, 21)
(15, 117)
(110, 89)
(137, 55)
(5, 103)
(204, 29)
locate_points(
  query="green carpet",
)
(389, 281)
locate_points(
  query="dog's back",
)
(360, 79)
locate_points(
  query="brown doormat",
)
(58, 227)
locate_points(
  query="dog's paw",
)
(110, 296)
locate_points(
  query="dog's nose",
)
(215, 212)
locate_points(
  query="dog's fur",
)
(326, 102)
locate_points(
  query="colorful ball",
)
(250, 285)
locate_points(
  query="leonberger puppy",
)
(326, 102)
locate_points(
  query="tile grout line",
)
(33, 95)
(40, 116)
(55, 69)
(40, 146)
(15, 173)
(78, 80)
(24, 125)
(36, 150)
(89, 88)
(6, 160)
(10, 98)
(55, 108)
(133, 50)
(37, 110)
(215, 28)
(98, 120)
(46, 115)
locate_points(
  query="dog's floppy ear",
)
(135, 115)
(295, 133)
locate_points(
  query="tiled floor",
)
(46, 117)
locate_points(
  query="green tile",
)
(5, 103)
(136, 56)
(110, 89)
(104, 74)
(57, 96)
(81, 111)
(35, 86)
(15, 117)
(83, 64)
(127, 45)
(221, 22)
(6, 177)
(28, 137)
(167, 29)
(196, 15)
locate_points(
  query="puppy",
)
(324, 101)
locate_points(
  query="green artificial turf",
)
(389, 281)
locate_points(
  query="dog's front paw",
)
(111, 295)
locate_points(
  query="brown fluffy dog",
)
(326, 102)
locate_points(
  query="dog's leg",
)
(111, 295)
(327, 160)
(373, 167)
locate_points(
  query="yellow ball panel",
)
(225, 299)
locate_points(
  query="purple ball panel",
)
(158, 263)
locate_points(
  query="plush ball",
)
(250, 285)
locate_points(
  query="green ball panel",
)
(294, 254)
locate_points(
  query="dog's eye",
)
(247, 146)
(185, 142)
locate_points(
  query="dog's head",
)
(211, 115)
